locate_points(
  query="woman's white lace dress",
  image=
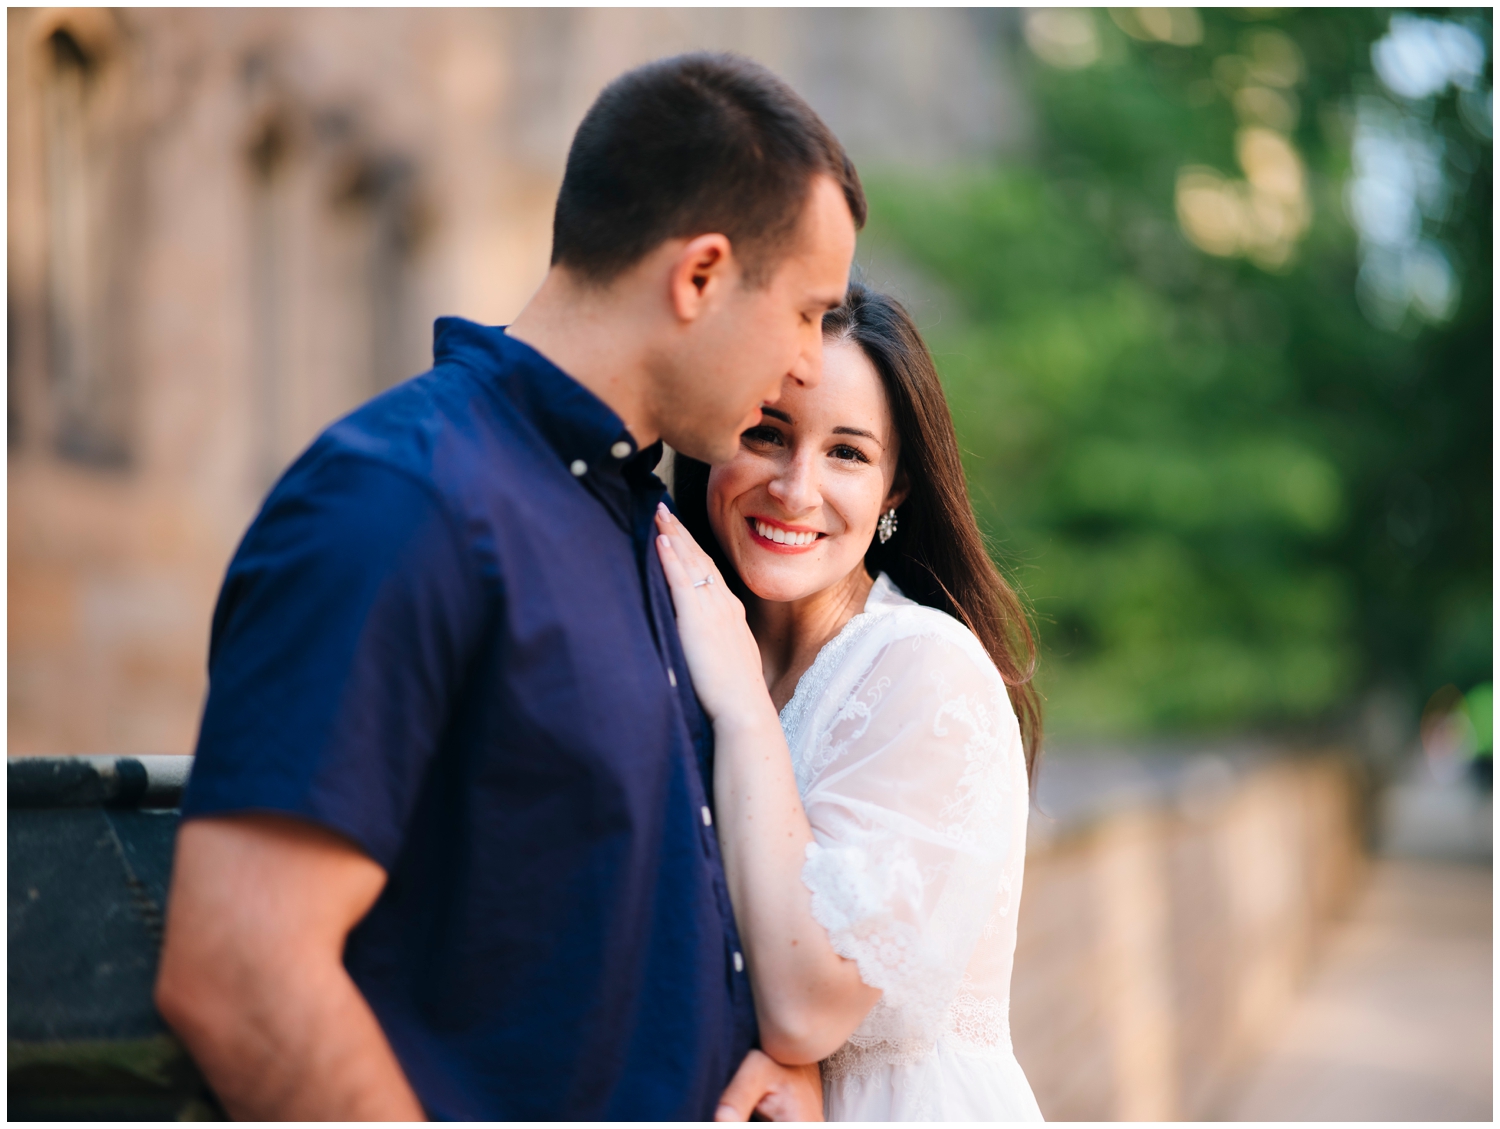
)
(909, 763)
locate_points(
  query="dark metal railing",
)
(90, 843)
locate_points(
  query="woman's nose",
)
(796, 487)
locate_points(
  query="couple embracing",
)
(524, 793)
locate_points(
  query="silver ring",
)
(701, 583)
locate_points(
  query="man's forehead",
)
(814, 269)
(826, 221)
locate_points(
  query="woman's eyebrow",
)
(777, 413)
(854, 431)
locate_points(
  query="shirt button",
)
(671, 676)
(708, 817)
(739, 963)
(579, 468)
(620, 450)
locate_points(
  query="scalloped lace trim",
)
(855, 888)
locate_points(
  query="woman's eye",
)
(844, 451)
(762, 434)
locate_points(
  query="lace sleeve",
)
(913, 805)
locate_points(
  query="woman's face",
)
(796, 508)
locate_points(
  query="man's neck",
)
(593, 336)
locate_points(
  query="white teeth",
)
(782, 536)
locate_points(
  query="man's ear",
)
(702, 270)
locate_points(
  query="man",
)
(447, 849)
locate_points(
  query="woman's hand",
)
(722, 656)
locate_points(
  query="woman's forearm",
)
(808, 998)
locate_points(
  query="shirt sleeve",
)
(339, 643)
(914, 810)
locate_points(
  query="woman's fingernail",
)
(726, 1113)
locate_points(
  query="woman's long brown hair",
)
(937, 555)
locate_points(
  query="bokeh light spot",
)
(1181, 27)
(1063, 37)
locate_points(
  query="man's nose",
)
(808, 371)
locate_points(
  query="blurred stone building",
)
(227, 228)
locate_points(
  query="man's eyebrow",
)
(854, 431)
(775, 413)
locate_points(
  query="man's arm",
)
(778, 1093)
(252, 975)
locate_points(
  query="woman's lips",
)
(765, 534)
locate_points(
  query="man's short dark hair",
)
(690, 145)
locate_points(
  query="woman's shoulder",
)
(896, 617)
(894, 649)
(919, 673)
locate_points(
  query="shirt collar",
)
(584, 431)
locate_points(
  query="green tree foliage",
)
(1234, 446)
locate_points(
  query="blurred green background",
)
(1219, 350)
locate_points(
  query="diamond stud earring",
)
(886, 526)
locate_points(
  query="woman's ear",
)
(900, 490)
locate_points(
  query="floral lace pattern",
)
(908, 759)
(979, 1021)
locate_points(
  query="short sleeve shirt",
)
(447, 638)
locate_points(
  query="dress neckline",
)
(884, 596)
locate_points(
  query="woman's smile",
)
(777, 537)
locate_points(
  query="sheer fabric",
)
(909, 762)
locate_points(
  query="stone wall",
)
(1160, 944)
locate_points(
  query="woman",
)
(867, 671)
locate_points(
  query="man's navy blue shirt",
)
(447, 637)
